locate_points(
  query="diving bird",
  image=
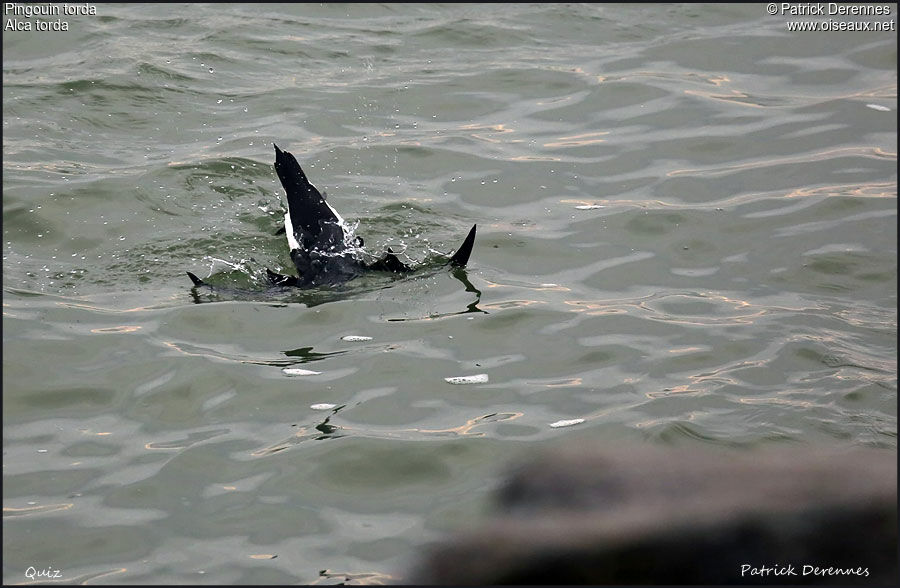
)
(320, 243)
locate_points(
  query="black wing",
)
(315, 224)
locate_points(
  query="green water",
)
(687, 235)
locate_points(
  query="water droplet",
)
(476, 379)
(299, 372)
(567, 423)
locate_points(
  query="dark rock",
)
(667, 516)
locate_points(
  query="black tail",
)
(461, 257)
(197, 281)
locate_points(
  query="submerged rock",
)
(666, 516)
